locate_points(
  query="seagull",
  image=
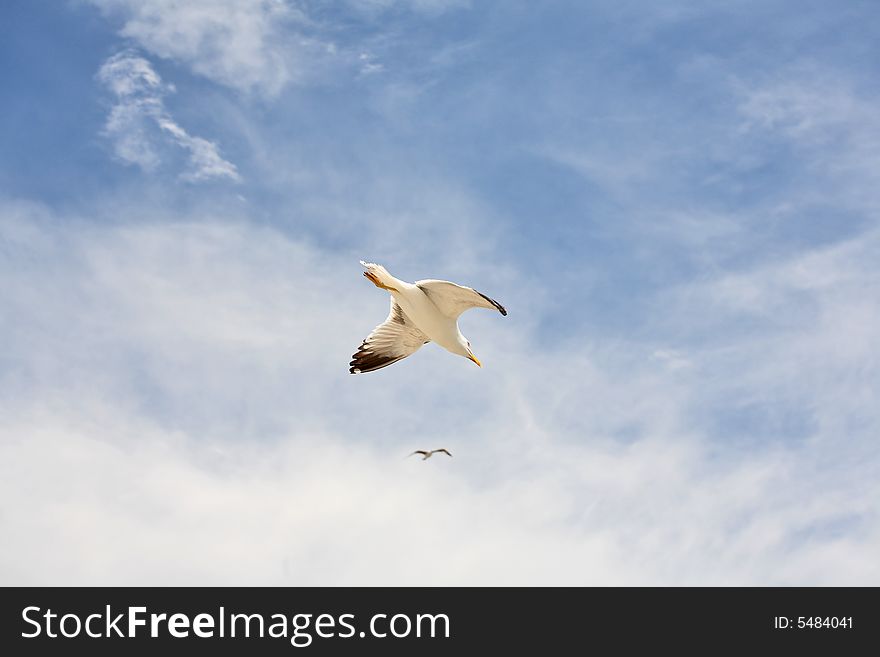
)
(426, 454)
(420, 312)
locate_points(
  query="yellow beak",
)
(474, 358)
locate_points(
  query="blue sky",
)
(675, 201)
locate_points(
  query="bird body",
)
(421, 312)
(416, 305)
(428, 453)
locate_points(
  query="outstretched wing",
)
(444, 450)
(452, 300)
(394, 339)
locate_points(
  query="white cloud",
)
(138, 112)
(177, 408)
(618, 172)
(368, 64)
(254, 46)
(830, 118)
(238, 43)
(799, 106)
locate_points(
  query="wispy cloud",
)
(369, 65)
(256, 46)
(139, 122)
(828, 117)
(200, 367)
(240, 44)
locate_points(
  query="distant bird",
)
(420, 312)
(426, 454)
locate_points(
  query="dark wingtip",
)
(364, 361)
(497, 305)
(354, 367)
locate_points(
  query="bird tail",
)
(380, 273)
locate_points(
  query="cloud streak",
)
(191, 420)
(139, 123)
(236, 43)
(258, 46)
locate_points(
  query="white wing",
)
(452, 300)
(394, 339)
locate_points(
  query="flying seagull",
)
(426, 454)
(420, 312)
